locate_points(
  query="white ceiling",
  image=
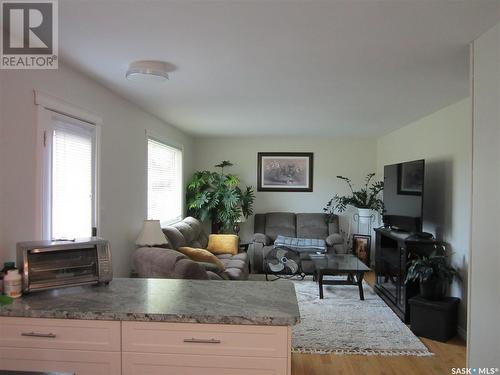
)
(316, 68)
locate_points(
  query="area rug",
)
(343, 324)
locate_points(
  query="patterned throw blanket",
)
(301, 245)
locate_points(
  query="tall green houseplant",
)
(216, 196)
(367, 197)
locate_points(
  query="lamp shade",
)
(151, 234)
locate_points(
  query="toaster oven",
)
(55, 264)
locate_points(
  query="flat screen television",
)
(404, 195)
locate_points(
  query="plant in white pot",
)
(365, 200)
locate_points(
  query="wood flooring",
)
(447, 355)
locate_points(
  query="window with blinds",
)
(73, 178)
(164, 182)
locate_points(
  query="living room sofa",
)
(157, 262)
(303, 225)
(188, 232)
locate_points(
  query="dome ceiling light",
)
(148, 70)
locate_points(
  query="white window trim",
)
(48, 105)
(161, 138)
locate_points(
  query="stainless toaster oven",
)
(55, 264)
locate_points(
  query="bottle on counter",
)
(13, 283)
(6, 266)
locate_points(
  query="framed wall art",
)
(285, 171)
(361, 247)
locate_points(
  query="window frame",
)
(167, 142)
(48, 109)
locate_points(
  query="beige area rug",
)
(343, 324)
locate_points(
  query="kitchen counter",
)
(166, 300)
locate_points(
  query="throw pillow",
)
(201, 255)
(223, 244)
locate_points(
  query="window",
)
(69, 177)
(164, 182)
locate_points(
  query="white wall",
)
(484, 309)
(348, 157)
(123, 157)
(443, 139)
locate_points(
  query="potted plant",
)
(365, 199)
(433, 273)
(216, 196)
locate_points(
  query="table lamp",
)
(241, 219)
(151, 234)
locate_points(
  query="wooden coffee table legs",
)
(359, 278)
(319, 279)
(353, 278)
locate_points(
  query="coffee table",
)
(334, 265)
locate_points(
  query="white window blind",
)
(164, 182)
(73, 179)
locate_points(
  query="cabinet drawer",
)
(79, 362)
(171, 364)
(60, 334)
(206, 339)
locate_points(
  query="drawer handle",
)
(202, 341)
(36, 334)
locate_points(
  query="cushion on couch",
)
(280, 223)
(312, 225)
(198, 238)
(194, 224)
(186, 230)
(201, 255)
(223, 244)
(174, 237)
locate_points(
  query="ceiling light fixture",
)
(147, 70)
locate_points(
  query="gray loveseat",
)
(303, 225)
(156, 262)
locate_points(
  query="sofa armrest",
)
(334, 239)
(154, 262)
(262, 238)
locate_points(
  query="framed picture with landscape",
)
(361, 245)
(285, 171)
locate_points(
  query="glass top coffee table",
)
(335, 265)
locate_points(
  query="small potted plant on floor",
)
(433, 273)
(365, 200)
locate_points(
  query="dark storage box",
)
(436, 320)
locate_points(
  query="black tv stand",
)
(393, 250)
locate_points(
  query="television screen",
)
(403, 195)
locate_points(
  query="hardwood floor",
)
(447, 355)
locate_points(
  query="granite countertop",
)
(166, 300)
